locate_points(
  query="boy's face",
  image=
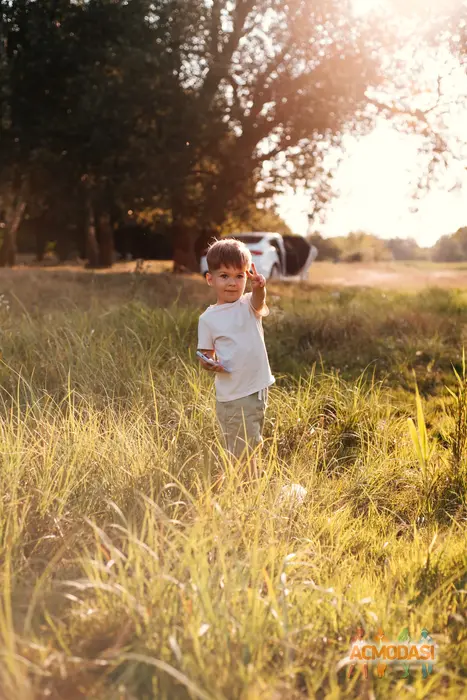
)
(228, 283)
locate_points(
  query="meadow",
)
(127, 573)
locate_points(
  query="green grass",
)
(126, 574)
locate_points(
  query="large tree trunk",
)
(189, 241)
(13, 222)
(184, 249)
(218, 202)
(208, 234)
(106, 241)
(42, 231)
(40, 247)
(92, 248)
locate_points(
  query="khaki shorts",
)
(241, 421)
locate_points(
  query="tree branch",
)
(220, 66)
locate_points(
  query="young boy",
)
(232, 331)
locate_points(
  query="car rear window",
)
(248, 238)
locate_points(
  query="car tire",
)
(275, 272)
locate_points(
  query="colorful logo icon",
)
(381, 652)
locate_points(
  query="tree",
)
(447, 249)
(461, 237)
(255, 219)
(405, 249)
(451, 248)
(422, 100)
(111, 97)
(15, 151)
(81, 89)
(359, 246)
(327, 247)
(199, 110)
(275, 84)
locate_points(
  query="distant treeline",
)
(365, 247)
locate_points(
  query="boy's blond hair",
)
(230, 253)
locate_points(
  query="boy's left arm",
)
(258, 285)
(258, 298)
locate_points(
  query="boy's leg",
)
(222, 422)
(254, 420)
(241, 423)
(257, 427)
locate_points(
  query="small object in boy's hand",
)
(207, 359)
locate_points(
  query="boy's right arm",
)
(205, 338)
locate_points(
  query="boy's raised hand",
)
(256, 279)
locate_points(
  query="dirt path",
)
(389, 276)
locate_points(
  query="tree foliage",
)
(451, 248)
(200, 110)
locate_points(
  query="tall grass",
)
(126, 572)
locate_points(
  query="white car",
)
(275, 256)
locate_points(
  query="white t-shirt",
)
(235, 331)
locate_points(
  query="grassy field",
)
(127, 574)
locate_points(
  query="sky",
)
(376, 181)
